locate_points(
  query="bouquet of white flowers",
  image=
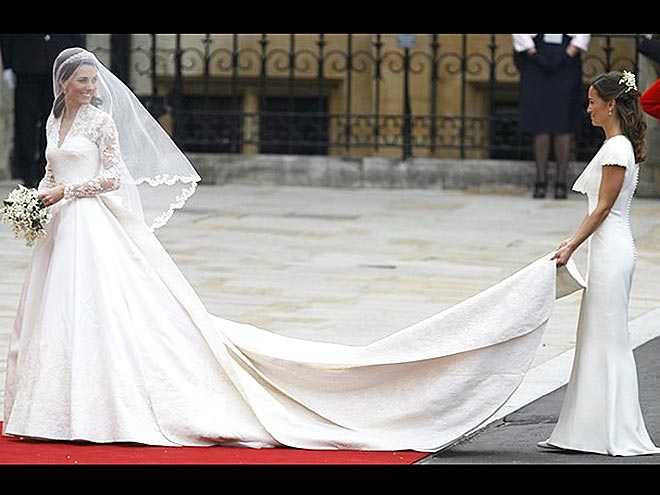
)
(26, 213)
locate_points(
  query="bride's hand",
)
(564, 252)
(52, 195)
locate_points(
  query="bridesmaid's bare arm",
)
(610, 186)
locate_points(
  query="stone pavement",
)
(354, 265)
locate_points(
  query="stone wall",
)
(323, 171)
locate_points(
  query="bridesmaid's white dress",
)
(601, 411)
(112, 344)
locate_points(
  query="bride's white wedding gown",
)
(112, 344)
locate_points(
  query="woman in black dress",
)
(550, 98)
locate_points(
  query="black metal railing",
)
(321, 94)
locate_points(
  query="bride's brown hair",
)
(610, 86)
(64, 71)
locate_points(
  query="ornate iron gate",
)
(202, 82)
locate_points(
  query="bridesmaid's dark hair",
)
(609, 86)
(66, 72)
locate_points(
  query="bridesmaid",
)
(601, 412)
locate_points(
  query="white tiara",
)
(76, 57)
(628, 80)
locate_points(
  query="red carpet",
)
(14, 451)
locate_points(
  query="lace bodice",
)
(88, 160)
(617, 151)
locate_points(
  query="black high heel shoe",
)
(539, 190)
(560, 191)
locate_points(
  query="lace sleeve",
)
(110, 177)
(48, 181)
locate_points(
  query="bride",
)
(112, 344)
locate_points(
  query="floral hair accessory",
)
(628, 80)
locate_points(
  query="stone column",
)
(250, 105)
(649, 174)
(6, 128)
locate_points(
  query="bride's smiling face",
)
(81, 86)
